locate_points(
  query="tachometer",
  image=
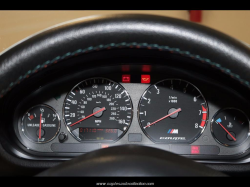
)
(98, 110)
(172, 111)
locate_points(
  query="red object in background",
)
(195, 15)
(195, 149)
(126, 78)
(145, 78)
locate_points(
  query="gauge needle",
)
(89, 116)
(226, 130)
(40, 126)
(178, 110)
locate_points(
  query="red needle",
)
(89, 116)
(178, 110)
(40, 126)
(226, 130)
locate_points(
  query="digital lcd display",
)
(96, 134)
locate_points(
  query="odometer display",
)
(94, 134)
(95, 105)
(172, 111)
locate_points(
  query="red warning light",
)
(145, 78)
(126, 78)
(195, 149)
(31, 117)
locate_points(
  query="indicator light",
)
(145, 78)
(31, 117)
(126, 78)
(195, 149)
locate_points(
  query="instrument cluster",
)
(98, 112)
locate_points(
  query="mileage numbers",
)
(96, 107)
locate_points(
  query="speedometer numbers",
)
(172, 111)
(98, 110)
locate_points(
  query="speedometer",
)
(97, 110)
(173, 111)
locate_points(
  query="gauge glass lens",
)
(98, 110)
(41, 124)
(230, 127)
(172, 111)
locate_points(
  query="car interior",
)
(125, 95)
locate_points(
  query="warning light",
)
(126, 78)
(145, 78)
(195, 149)
(105, 146)
(31, 117)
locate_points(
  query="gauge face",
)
(41, 124)
(172, 111)
(230, 127)
(98, 110)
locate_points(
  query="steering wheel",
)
(201, 46)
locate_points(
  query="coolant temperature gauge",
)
(230, 127)
(41, 124)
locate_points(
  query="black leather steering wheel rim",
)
(202, 45)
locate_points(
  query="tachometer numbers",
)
(172, 111)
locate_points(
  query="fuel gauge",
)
(40, 124)
(230, 127)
